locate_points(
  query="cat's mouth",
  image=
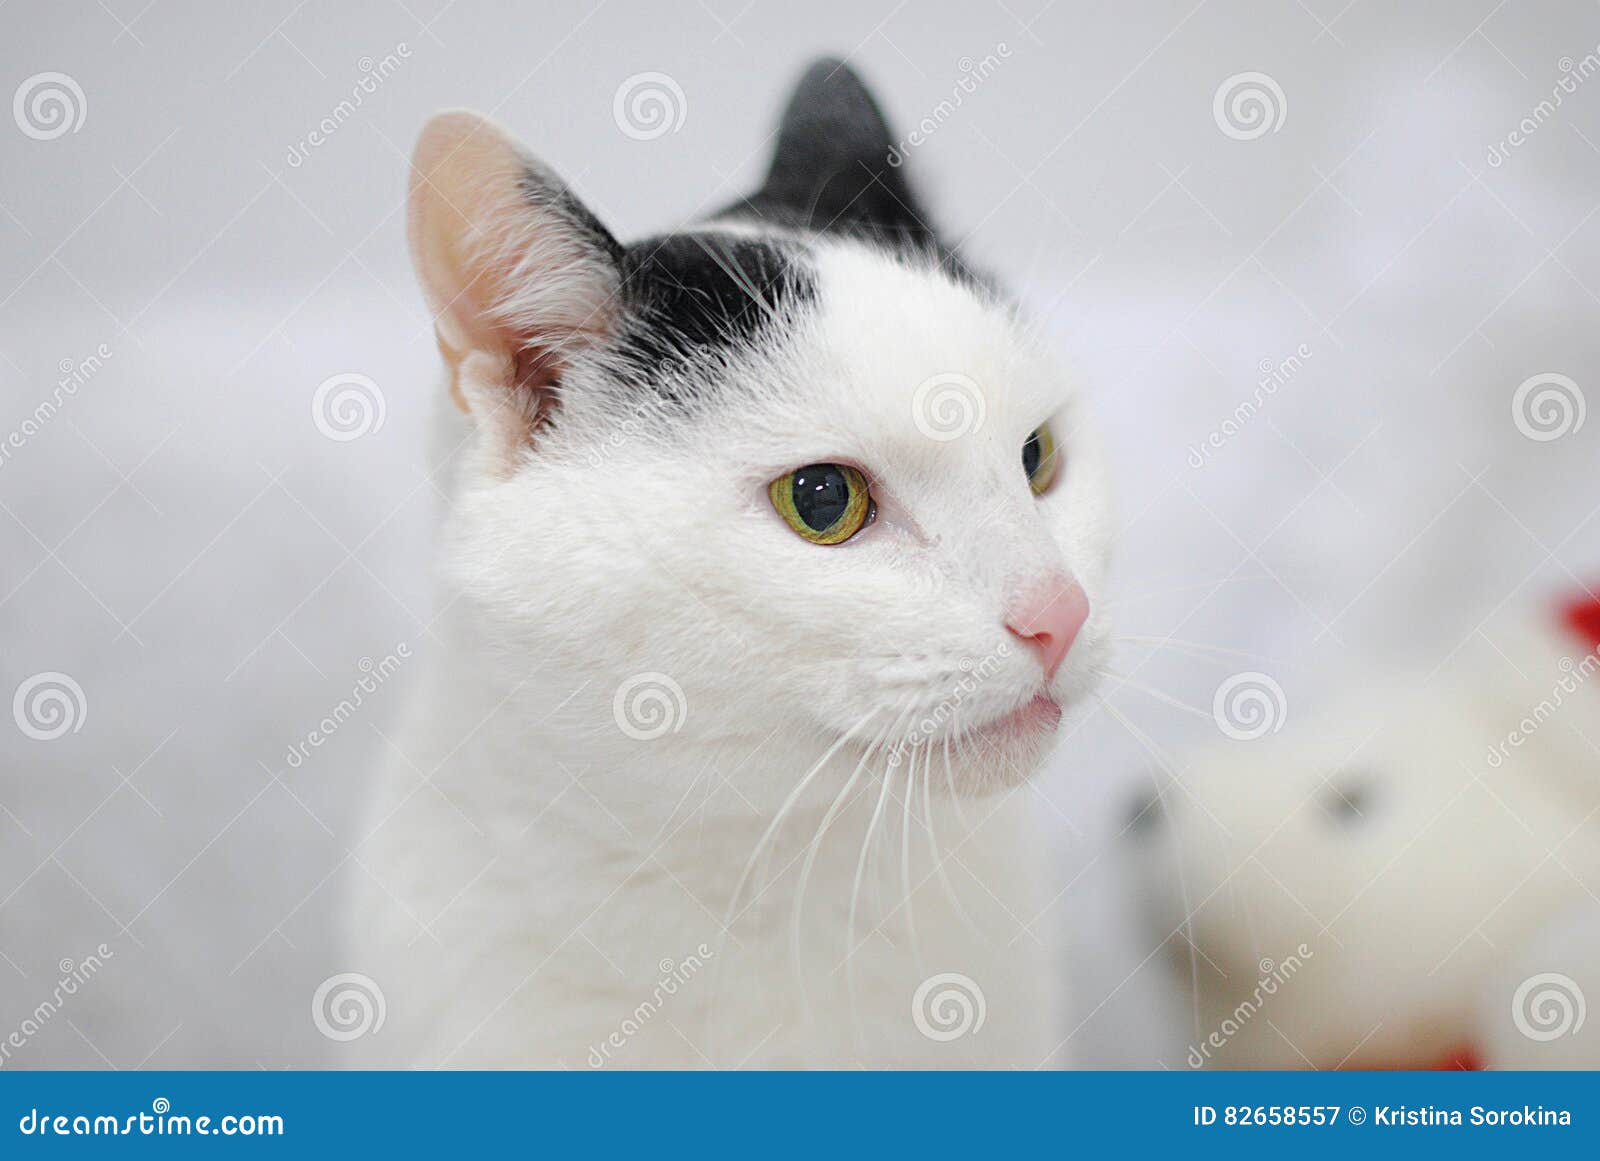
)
(1039, 716)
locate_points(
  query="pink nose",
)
(1048, 617)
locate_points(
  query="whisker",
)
(1183, 885)
(812, 850)
(905, 859)
(1122, 600)
(1153, 692)
(938, 859)
(1201, 649)
(855, 898)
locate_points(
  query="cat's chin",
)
(1007, 750)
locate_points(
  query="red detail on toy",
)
(1460, 1058)
(1463, 1058)
(1582, 616)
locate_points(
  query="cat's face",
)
(756, 482)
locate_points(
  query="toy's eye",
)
(1039, 459)
(1349, 803)
(825, 503)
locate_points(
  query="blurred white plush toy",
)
(1536, 1012)
(1369, 883)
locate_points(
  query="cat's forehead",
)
(739, 317)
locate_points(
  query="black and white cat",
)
(767, 576)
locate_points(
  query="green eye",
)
(824, 503)
(1039, 459)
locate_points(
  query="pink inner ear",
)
(502, 270)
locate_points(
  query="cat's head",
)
(790, 475)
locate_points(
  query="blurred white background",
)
(179, 537)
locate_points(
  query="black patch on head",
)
(690, 298)
(837, 170)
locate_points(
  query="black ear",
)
(837, 166)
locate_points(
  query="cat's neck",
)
(599, 858)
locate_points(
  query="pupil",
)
(1031, 451)
(821, 495)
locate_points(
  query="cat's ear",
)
(518, 274)
(837, 165)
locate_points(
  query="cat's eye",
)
(824, 503)
(1039, 459)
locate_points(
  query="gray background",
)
(210, 569)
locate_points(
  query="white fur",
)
(532, 866)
